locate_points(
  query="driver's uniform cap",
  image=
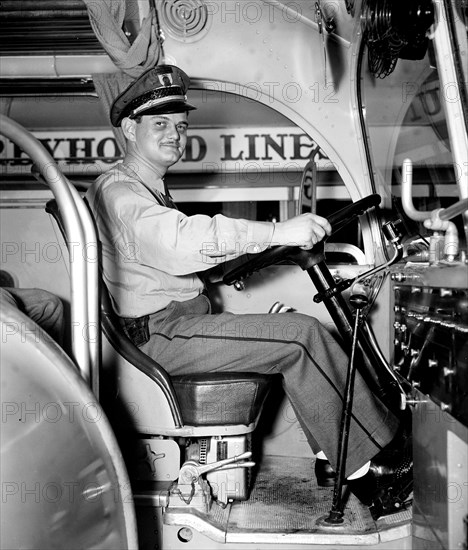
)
(160, 90)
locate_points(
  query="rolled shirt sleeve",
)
(181, 245)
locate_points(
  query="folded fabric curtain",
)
(5, 105)
(108, 87)
(107, 18)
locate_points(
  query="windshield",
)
(406, 115)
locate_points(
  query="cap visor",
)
(170, 107)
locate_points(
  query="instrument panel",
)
(431, 335)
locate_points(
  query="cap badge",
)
(165, 79)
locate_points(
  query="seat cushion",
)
(218, 399)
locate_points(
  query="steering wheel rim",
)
(304, 258)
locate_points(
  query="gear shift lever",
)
(359, 301)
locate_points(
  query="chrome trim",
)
(80, 230)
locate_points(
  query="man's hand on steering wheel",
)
(303, 231)
(297, 241)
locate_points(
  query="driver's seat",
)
(212, 413)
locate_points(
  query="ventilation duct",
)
(46, 27)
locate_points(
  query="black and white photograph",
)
(234, 274)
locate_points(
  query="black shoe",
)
(388, 483)
(324, 473)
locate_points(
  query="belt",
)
(137, 328)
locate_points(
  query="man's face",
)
(161, 139)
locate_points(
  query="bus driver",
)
(159, 296)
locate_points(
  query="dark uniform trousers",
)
(186, 338)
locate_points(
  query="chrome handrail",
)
(80, 232)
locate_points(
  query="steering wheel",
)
(304, 258)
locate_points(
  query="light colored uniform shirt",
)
(151, 252)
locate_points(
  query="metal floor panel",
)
(286, 506)
(286, 503)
